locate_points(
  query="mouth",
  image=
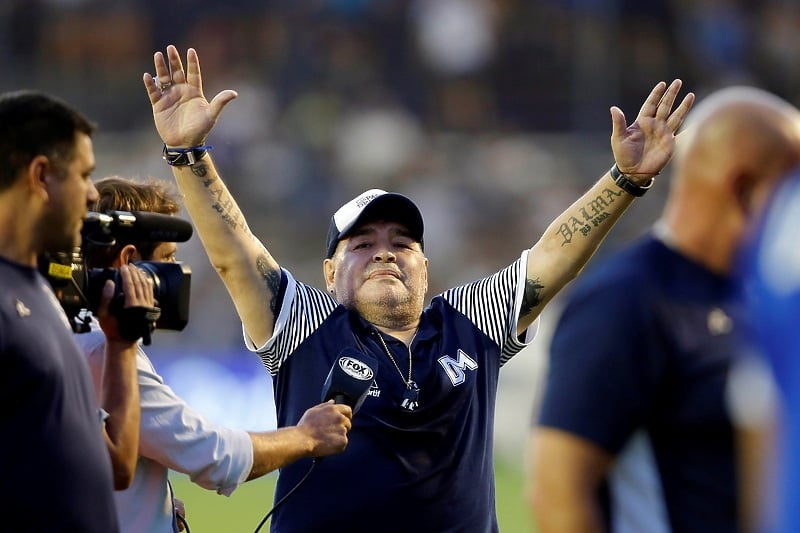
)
(383, 273)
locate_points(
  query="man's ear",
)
(328, 272)
(39, 173)
(744, 186)
(127, 255)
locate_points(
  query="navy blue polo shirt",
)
(639, 364)
(427, 470)
(56, 471)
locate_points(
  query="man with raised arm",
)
(420, 454)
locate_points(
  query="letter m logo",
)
(454, 368)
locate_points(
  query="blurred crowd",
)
(492, 114)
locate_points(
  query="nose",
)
(91, 194)
(384, 256)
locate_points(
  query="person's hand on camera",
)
(120, 396)
(137, 289)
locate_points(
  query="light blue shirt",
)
(172, 436)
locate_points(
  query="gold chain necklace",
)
(411, 395)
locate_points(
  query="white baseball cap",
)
(374, 204)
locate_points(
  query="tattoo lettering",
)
(572, 226)
(532, 296)
(225, 205)
(593, 214)
(611, 195)
(201, 170)
(228, 212)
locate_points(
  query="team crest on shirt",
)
(719, 323)
(455, 368)
(22, 309)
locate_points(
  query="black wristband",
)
(183, 157)
(625, 183)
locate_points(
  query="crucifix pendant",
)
(410, 397)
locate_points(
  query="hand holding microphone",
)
(327, 426)
(347, 384)
(349, 380)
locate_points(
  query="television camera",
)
(78, 287)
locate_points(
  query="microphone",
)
(154, 227)
(349, 380)
(103, 228)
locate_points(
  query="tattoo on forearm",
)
(532, 296)
(272, 279)
(224, 204)
(591, 216)
(200, 169)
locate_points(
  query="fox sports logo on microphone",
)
(355, 368)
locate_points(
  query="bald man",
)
(633, 432)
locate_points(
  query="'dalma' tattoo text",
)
(591, 216)
(224, 204)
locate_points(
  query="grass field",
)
(207, 512)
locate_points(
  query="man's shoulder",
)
(19, 278)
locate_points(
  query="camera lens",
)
(171, 290)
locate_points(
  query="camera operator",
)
(173, 435)
(57, 475)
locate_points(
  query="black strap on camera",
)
(137, 322)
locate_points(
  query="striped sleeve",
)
(304, 308)
(493, 305)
